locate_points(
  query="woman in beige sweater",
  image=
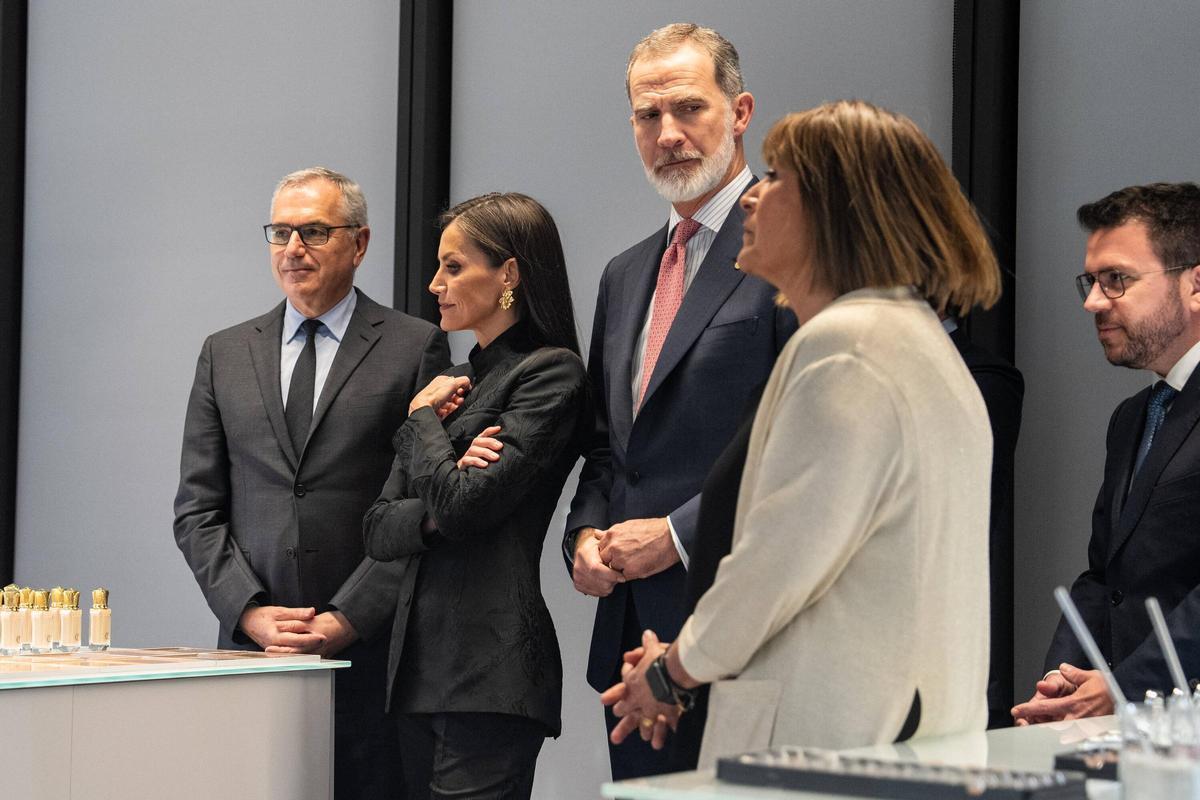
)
(853, 607)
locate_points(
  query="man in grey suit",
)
(681, 340)
(286, 442)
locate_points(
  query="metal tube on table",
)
(1089, 644)
(1168, 646)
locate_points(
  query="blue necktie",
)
(1156, 412)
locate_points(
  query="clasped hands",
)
(633, 702)
(278, 629)
(635, 548)
(1069, 693)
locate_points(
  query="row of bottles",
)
(40, 621)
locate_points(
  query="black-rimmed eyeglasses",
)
(311, 235)
(1112, 281)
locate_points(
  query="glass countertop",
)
(82, 667)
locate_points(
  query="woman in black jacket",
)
(474, 669)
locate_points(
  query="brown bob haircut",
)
(882, 208)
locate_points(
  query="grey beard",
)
(698, 181)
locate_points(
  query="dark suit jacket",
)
(472, 632)
(722, 345)
(256, 520)
(1003, 391)
(1143, 544)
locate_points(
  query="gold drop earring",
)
(506, 298)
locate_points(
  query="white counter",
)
(166, 722)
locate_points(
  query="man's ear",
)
(743, 111)
(362, 237)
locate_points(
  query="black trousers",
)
(469, 755)
(365, 762)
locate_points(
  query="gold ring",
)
(647, 722)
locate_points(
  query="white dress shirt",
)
(711, 217)
(328, 337)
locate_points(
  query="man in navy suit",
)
(1142, 284)
(680, 340)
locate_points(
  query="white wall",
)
(556, 126)
(1108, 95)
(156, 133)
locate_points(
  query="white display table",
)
(166, 722)
(1030, 748)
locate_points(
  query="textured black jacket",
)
(472, 631)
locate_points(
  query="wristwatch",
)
(666, 690)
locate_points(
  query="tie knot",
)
(310, 327)
(1162, 394)
(685, 230)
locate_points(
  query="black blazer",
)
(718, 509)
(472, 631)
(1146, 543)
(722, 344)
(1003, 391)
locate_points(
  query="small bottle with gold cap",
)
(41, 641)
(100, 621)
(26, 612)
(72, 622)
(10, 623)
(56, 609)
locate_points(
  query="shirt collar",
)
(514, 339)
(336, 319)
(712, 214)
(1183, 368)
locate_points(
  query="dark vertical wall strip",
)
(14, 15)
(422, 149)
(984, 135)
(984, 159)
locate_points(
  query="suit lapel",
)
(264, 354)
(1178, 425)
(714, 282)
(361, 335)
(635, 303)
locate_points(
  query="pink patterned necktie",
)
(668, 295)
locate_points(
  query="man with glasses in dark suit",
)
(287, 441)
(1142, 285)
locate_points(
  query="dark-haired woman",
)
(474, 670)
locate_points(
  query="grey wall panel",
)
(1108, 94)
(539, 106)
(156, 132)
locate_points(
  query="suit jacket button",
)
(290, 552)
(1117, 597)
(299, 490)
(633, 477)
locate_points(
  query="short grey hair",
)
(354, 205)
(670, 38)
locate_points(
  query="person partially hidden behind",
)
(1141, 281)
(475, 673)
(860, 541)
(284, 448)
